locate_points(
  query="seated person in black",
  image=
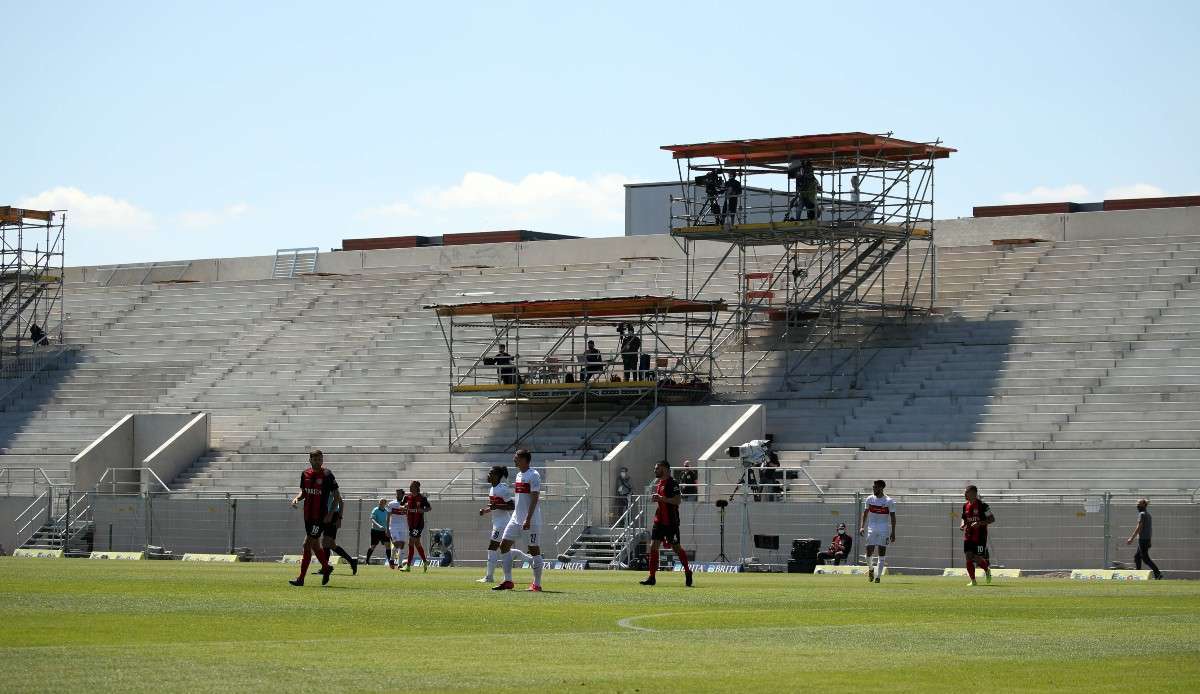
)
(839, 547)
(593, 360)
(38, 335)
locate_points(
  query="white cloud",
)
(602, 196)
(93, 212)
(545, 201)
(203, 219)
(1137, 190)
(1073, 192)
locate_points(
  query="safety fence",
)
(1031, 532)
(267, 526)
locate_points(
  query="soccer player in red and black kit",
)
(976, 517)
(666, 522)
(417, 505)
(321, 497)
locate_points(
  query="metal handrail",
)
(580, 519)
(630, 523)
(111, 470)
(21, 535)
(580, 486)
(40, 361)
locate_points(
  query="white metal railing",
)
(573, 521)
(138, 483)
(30, 364)
(471, 483)
(289, 261)
(37, 513)
(631, 528)
(714, 482)
(148, 267)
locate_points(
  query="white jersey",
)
(525, 485)
(500, 494)
(397, 514)
(879, 510)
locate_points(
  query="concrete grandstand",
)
(1063, 358)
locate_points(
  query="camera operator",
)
(713, 187)
(631, 346)
(772, 478)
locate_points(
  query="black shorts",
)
(665, 533)
(378, 536)
(415, 533)
(314, 528)
(979, 549)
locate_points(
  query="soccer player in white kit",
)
(500, 505)
(879, 523)
(526, 518)
(397, 526)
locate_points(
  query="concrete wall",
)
(128, 443)
(179, 451)
(639, 452)
(10, 506)
(674, 433)
(643, 240)
(271, 528)
(1036, 536)
(113, 449)
(1077, 226)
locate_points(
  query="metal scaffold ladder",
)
(290, 262)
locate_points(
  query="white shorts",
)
(513, 531)
(497, 533)
(877, 538)
(399, 531)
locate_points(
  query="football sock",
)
(871, 563)
(879, 571)
(337, 549)
(983, 564)
(388, 549)
(653, 561)
(368, 559)
(506, 563)
(323, 557)
(421, 551)
(410, 553)
(493, 555)
(305, 560)
(971, 569)
(537, 569)
(682, 554)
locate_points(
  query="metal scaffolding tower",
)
(846, 223)
(31, 288)
(521, 353)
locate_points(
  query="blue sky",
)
(187, 130)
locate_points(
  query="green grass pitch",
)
(84, 626)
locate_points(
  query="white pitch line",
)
(628, 622)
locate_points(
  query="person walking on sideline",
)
(1142, 533)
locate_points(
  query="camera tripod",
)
(743, 485)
